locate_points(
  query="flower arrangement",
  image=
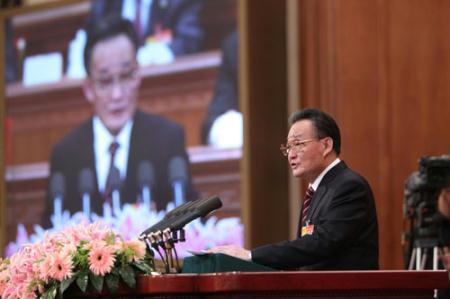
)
(133, 219)
(80, 255)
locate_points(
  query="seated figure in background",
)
(223, 124)
(164, 28)
(168, 28)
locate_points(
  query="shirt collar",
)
(103, 138)
(317, 181)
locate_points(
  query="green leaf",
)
(127, 274)
(50, 293)
(112, 281)
(82, 280)
(97, 281)
(66, 283)
(144, 267)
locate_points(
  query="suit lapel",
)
(86, 150)
(320, 196)
(134, 154)
(140, 149)
(318, 200)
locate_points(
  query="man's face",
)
(112, 87)
(307, 153)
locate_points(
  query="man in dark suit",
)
(180, 18)
(338, 225)
(112, 88)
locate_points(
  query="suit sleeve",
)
(339, 225)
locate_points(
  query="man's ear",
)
(88, 90)
(327, 146)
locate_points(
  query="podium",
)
(223, 276)
(216, 263)
(305, 285)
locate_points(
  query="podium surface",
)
(302, 284)
(214, 263)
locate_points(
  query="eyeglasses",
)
(125, 79)
(297, 146)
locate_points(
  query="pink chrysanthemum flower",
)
(61, 267)
(44, 268)
(101, 260)
(4, 279)
(137, 250)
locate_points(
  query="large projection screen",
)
(43, 100)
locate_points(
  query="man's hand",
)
(444, 202)
(232, 250)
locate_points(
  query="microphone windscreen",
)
(114, 178)
(181, 209)
(208, 206)
(57, 185)
(168, 218)
(86, 181)
(178, 169)
(200, 208)
(146, 174)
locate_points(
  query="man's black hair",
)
(104, 28)
(325, 125)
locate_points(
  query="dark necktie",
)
(306, 204)
(109, 185)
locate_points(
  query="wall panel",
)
(382, 69)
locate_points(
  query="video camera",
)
(422, 189)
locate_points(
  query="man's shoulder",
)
(344, 174)
(148, 121)
(78, 135)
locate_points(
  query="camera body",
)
(422, 188)
(435, 171)
(426, 225)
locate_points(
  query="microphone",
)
(182, 215)
(146, 180)
(200, 209)
(86, 187)
(178, 176)
(57, 193)
(164, 234)
(160, 225)
(114, 181)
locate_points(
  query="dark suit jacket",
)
(11, 71)
(153, 138)
(182, 17)
(227, 88)
(345, 233)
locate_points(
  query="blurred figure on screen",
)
(165, 29)
(222, 127)
(118, 136)
(164, 26)
(338, 227)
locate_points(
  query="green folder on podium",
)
(217, 262)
